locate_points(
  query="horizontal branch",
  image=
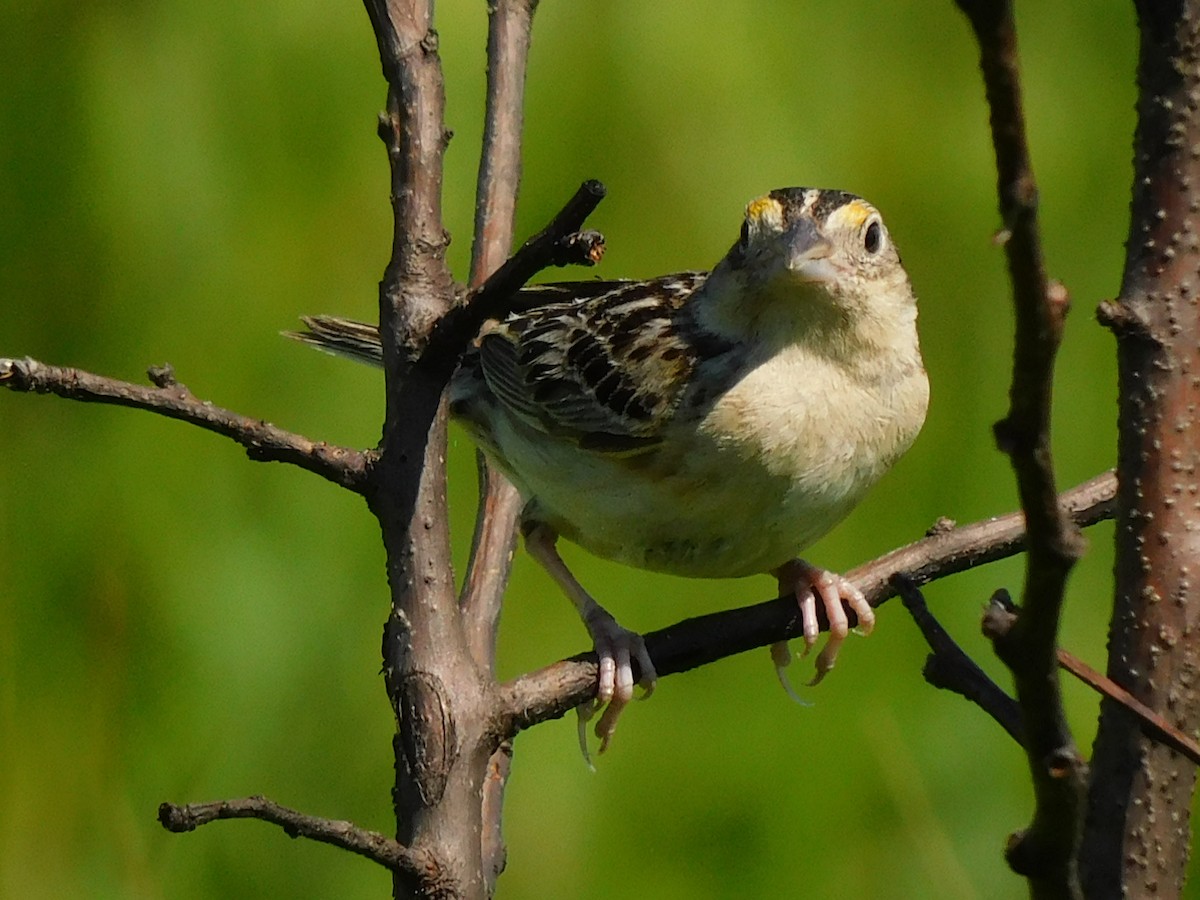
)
(338, 832)
(262, 440)
(553, 691)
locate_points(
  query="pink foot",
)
(617, 648)
(808, 584)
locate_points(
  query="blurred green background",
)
(180, 181)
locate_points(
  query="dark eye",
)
(744, 237)
(873, 237)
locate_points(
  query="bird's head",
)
(815, 260)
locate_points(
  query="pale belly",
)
(722, 508)
(769, 469)
(695, 521)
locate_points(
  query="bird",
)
(708, 424)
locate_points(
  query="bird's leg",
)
(616, 647)
(808, 584)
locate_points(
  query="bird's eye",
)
(744, 237)
(873, 237)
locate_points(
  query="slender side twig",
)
(1152, 723)
(1046, 852)
(262, 440)
(948, 666)
(560, 243)
(338, 832)
(553, 691)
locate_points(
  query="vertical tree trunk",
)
(1138, 832)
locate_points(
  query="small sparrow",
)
(705, 424)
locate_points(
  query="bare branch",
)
(509, 32)
(1153, 724)
(949, 667)
(374, 846)
(1046, 852)
(560, 243)
(1138, 835)
(555, 690)
(434, 689)
(262, 440)
(510, 24)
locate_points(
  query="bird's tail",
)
(358, 341)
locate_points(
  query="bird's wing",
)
(606, 369)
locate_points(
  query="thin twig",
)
(510, 24)
(262, 440)
(559, 688)
(560, 243)
(948, 666)
(338, 832)
(1152, 723)
(1046, 851)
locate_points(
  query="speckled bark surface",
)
(1138, 830)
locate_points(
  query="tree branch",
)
(435, 691)
(555, 690)
(949, 668)
(262, 440)
(340, 833)
(1138, 834)
(560, 243)
(1046, 852)
(1154, 725)
(510, 24)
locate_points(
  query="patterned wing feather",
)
(605, 370)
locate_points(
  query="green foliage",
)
(181, 181)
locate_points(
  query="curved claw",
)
(781, 655)
(617, 648)
(808, 583)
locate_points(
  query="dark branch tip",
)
(175, 818)
(1014, 852)
(943, 525)
(1005, 435)
(1063, 762)
(579, 248)
(1123, 320)
(162, 376)
(999, 616)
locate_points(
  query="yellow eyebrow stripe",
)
(766, 210)
(853, 213)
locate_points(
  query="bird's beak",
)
(809, 256)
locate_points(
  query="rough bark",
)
(1137, 834)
